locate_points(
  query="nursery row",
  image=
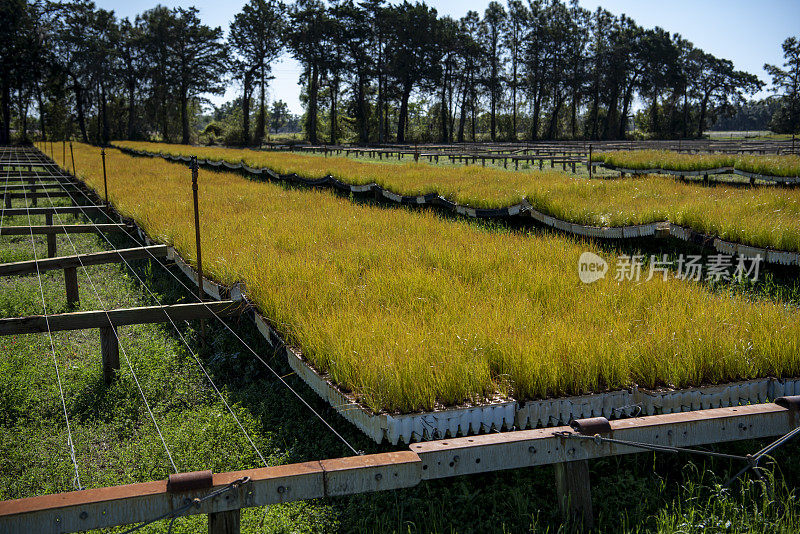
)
(785, 166)
(406, 311)
(763, 217)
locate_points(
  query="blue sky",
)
(747, 32)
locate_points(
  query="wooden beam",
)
(94, 258)
(574, 495)
(54, 194)
(26, 178)
(8, 212)
(109, 350)
(63, 229)
(119, 317)
(79, 511)
(30, 188)
(71, 283)
(225, 522)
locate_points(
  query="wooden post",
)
(109, 349)
(51, 238)
(574, 495)
(200, 292)
(224, 522)
(72, 155)
(71, 283)
(64, 153)
(105, 182)
(8, 200)
(589, 163)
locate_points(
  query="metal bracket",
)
(791, 403)
(591, 426)
(195, 480)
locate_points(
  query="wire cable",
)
(175, 326)
(70, 441)
(236, 335)
(119, 343)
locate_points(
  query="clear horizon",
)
(734, 30)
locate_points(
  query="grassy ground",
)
(116, 442)
(760, 216)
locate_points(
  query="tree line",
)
(371, 72)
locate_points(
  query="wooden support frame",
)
(63, 229)
(574, 494)
(16, 179)
(93, 258)
(36, 195)
(121, 505)
(225, 522)
(120, 317)
(33, 188)
(51, 238)
(71, 284)
(43, 210)
(109, 351)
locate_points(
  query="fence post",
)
(109, 349)
(589, 163)
(200, 292)
(105, 182)
(51, 238)
(72, 156)
(224, 522)
(71, 283)
(574, 495)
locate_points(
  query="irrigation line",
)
(169, 318)
(233, 332)
(116, 334)
(70, 442)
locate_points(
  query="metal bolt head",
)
(378, 476)
(281, 489)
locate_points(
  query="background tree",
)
(413, 54)
(131, 66)
(306, 40)
(279, 115)
(256, 38)
(494, 20)
(199, 59)
(786, 82)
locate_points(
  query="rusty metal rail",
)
(136, 503)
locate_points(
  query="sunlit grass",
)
(767, 217)
(409, 311)
(770, 165)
